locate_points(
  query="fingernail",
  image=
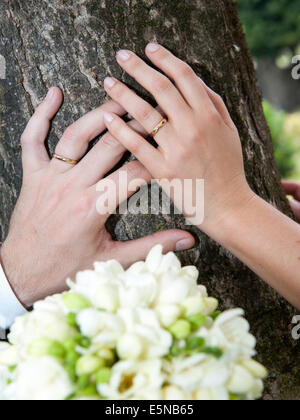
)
(108, 117)
(109, 82)
(184, 244)
(50, 93)
(153, 47)
(123, 55)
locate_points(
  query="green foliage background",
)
(270, 25)
(285, 145)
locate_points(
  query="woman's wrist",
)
(222, 219)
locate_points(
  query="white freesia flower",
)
(100, 287)
(102, 327)
(137, 289)
(135, 381)
(5, 377)
(230, 332)
(40, 380)
(152, 340)
(150, 332)
(173, 393)
(46, 321)
(9, 355)
(199, 372)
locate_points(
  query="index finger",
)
(163, 90)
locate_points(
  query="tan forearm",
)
(268, 242)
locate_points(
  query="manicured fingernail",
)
(184, 244)
(108, 117)
(124, 55)
(50, 94)
(152, 47)
(109, 82)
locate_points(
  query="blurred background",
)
(272, 28)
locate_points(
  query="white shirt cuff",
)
(10, 306)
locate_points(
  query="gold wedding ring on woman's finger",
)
(65, 160)
(163, 122)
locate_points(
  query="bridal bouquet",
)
(146, 333)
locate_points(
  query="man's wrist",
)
(12, 277)
(10, 305)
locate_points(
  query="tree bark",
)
(72, 44)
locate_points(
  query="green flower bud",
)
(82, 382)
(70, 397)
(103, 376)
(212, 351)
(12, 368)
(195, 344)
(72, 357)
(216, 315)
(88, 364)
(69, 344)
(108, 355)
(89, 391)
(197, 321)
(57, 350)
(175, 351)
(85, 342)
(71, 319)
(71, 371)
(75, 302)
(181, 329)
(233, 397)
(40, 347)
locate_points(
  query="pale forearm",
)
(268, 242)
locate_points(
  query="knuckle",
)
(214, 116)
(70, 132)
(219, 98)
(84, 204)
(161, 84)
(133, 169)
(39, 112)
(185, 71)
(110, 142)
(25, 140)
(64, 187)
(169, 173)
(185, 153)
(135, 64)
(196, 133)
(144, 112)
(134, 147)
(118, 91)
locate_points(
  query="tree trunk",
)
(72, 44)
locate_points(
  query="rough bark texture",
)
(72, 43)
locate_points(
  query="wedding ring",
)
(158, 127)
(65, 160)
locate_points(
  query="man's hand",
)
(56, 229)
(293, 188)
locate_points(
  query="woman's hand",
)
(56, 229)
(199, 141)
(293, 188)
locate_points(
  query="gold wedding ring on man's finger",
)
(65, 160)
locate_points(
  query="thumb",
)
(127, 253)
(34, 153)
